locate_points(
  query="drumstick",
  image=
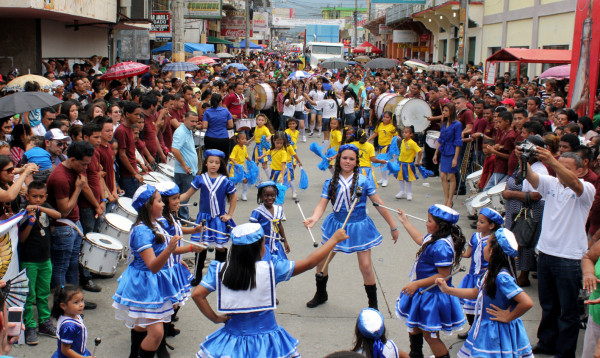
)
(462, 269)
(357, 195)
(396, 211)
(189, 204)
(304, 218)
(188, 241)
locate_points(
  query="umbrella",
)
(18, 84)
(26, 101)
(557, 72)
(363, 58)
(296, 60)
(16, 290)
(332, 63)
(239, 66)
(441, 68)
(123, 70)
(381, 63)
(415, 64)
(225, 55)
(180, 66)
(298, 75)
(201, 60)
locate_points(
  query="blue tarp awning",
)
(242, 44)
(189, 47)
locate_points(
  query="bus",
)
(320, 51)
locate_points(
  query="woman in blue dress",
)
(428, 312)
(450, 142)
(498, 331)
(245, 289)
(341, 191)
(215, 191)
(147, 289)
(270, 216)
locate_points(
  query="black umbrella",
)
(22, 102)
(381, 63)
(296, 60)
(332, 63)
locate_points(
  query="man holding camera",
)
(562, 244)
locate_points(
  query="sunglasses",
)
(8, 170)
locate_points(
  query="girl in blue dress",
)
(215, 190)
(340, 190)
(489, 221)
(246, 296)
(270, 216)
(450, 142)
(428, 312)
(148, 288)
(70, 330)
(498, 331)
(370, 340)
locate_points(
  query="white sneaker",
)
(384, 183)
(400, 195)
(380, 181)
(304, 138)
(244, 197)
(409, 196)
(283, 218)
(294, 195)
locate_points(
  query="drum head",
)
(415, 113)
(167, 168)
(496, 189)
(475, 175)
(264, 96)
(125, 203)
(480, 201)
(118, 221)
(104, 241)
(159, 177)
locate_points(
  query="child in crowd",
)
(385, 131)
(335, 140)
(366, 155)
(270, 216)
(35, 153)
(71, 332)
(498, 330)
(369, 337)
(488, 163)
(292, 132)
(34, 256)
(239, 155)
(263, 128)
(281, 153)
(408, 151)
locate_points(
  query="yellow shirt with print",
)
(365, 152)
(385, 133)
(239, 154)
(278, 157)
(408, 151)
(335, 138)
(261, 131)
(294, 136)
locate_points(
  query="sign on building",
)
(203, 9)
(417, 2)
(404, 36)
(234, 25)
(161, 22)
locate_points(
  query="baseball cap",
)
(56, 134)
(57, 83)
(509, 102)
(187, 75)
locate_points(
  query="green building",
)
(340, 12)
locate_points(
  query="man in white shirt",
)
(562, 244)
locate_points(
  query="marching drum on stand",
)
(495, 194)
(265, 97)
(117, 227)
(479, 201)
(100, 253)
(387, 102)
(167, 170)
(432, 139)
(473, 180)
(245, 124)
(125, 209)
(413, 112)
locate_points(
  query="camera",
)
(528, 150)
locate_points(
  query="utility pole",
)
(355, 23)
(247, 28)
(178, 48)
(462, 41)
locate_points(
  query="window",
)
(326, 50)
(546, 66)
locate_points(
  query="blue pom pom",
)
(281, 197)
(303, 179)
(317, 149)
(323, 165)
(265, 143)
(393, 148)
(252, 172)
(238, 174)
(393, 167)
(380, 156)
(424, 172)
(331, 152)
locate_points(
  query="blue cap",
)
(492, 215)
(370, 323)
(266, 183)
(444, 212)
(168, 188)
(507, 241)
(141, 196)
(214, 153)
(348, 147)
(246, 234)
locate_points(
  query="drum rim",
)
(489, 200)
(475, 174)
(111, 225)
(85, 239)
(134, 213)
(491, 191)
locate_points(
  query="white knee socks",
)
(408, 187)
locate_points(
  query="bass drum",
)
(264, 97)
(413, 112)
(386, 102)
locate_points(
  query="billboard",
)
(203, 9)
(415, 2)
(161, 22)
(404, 36)
(260, 22)
(281, 22)
(284, 13)
(234, 25)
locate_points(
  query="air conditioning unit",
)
(140, 9)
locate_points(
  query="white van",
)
(320, 51)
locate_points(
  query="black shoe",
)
(91, 286)
(194, 282)
(472, 217)
(90, 305)
(48, 329)
(321, 294)
(170, 330)
(539, 349)
(474, 225)
(463, 335)
(31, 337)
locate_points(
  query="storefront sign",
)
(203, 9)
(161, 22)
(490, 73)
(402, 36)
(234, 25)
(384, 30)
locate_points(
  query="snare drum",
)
(124, 208)
(100, 253)
(413, 112)
(117, 226)
(432, 139)
(197, 138)
(480, 201)
(155, 177)
(264, 97)
(171, 161)
(495, 194)
(245, 124)
(167, 170)
(473, 180)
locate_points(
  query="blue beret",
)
(370, 323)
(246, 234)
(266, 183)
(493, 215)
(444, 212)
(507, 241)
(141, 196)
(168, 188)
(214, 153)
(348, 147)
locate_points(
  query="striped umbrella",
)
(123, 70)
(180, 66)
(415, 64)
(441, 68)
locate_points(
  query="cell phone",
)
(15, 315)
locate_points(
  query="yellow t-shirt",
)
(365, 152)
(335, 138)
(239, 154)
(261, 131)
(294, 135)
(385, 133)
(278, 158)
(408, 151)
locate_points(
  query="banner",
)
(234, 25)
(404, 36)
(203, 9)
(260, 22)
(9, 239)
(490, 73)
(417, 2)
(285, 22)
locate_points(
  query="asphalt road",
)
(321, 330)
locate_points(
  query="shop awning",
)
(189, 47)
(366, 47)
(216, 40)
(242, 44)
(526, 55)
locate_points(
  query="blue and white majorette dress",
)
(71, 331)
(252, 330)
(476, 271)
(268, 221)
(389, 350)
(213, 200)
(489, 338)
(363, 234)
(144, 298)
(182, 273)
(433, 310)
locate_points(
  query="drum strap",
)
(212, 193)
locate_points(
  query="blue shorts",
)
(317, 112)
